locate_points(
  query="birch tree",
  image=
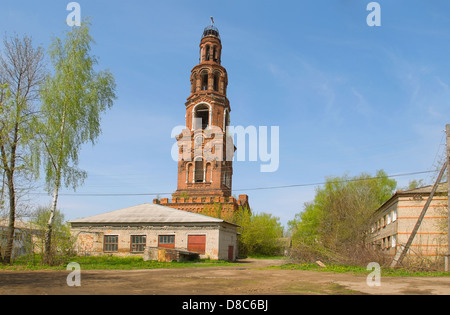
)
(73, 99)
(21, 72)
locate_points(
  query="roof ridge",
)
(148, 213)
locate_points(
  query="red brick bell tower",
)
(205, 151)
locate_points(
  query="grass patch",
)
(114, 263)
(361, 270)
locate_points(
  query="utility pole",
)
(447, 259)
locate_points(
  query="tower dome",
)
(211, 30)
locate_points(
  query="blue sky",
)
(348, 98)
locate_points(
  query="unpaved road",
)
(246, 278)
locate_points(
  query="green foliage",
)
(73, 98)
(62, 243)
(260, 233)
(5, 99)
(21, 73)
(340, 214)
(214, 211)
(413, 184)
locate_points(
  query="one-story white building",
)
(130, 230)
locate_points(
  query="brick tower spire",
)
(206, 170)
(205, 151)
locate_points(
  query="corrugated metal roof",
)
(148, 213)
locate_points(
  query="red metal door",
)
(197, 243)
(231, 253)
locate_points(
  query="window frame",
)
(107, 244)
(199, 170)
(166, 240)
(135, 247)
(394, 215)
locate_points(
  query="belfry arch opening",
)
(215, 53)
(216, 82)
(204, 77)
(207, 54)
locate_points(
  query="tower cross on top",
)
(212, 21)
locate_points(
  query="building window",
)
(205, 82)
(111, 243)
(216, 82)
(394, 215)
(201, 116)
(199, 171)
(167, 241)
(207, 55)
(215, 53)
(394, 240)
(138, 243)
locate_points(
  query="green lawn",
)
(387, 272)
(112, 262)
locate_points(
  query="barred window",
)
(138, 243)
(111, 243)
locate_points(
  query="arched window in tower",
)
(216, 82)
(204, 81)
(201, 116)
(199, 172)
(215, 53)
(207, 53)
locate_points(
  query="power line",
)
(241, 189)
(339, 181)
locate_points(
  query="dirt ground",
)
(246, 278)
